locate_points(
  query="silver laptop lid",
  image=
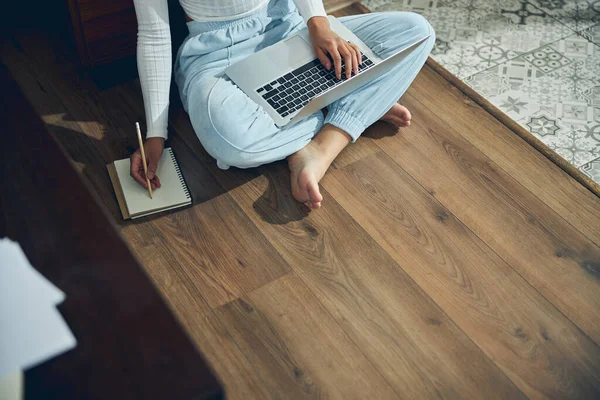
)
(257, 73)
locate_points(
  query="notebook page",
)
(171, 193)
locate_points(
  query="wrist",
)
(156, 139)
(317, 23)
(155, 145)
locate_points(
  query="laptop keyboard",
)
(294, 90)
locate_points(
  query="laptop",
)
(290, 83)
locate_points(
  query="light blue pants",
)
(235, 130)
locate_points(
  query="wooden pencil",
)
(139, 135)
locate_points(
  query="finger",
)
(354, 69)
(358, 53)
(155, 181)
(347, 61)
(356, 57)
(136, 171)
(134, 162)
(352, 50)
(139, 179)
(152, 166)
(337, 61)
(322, 56)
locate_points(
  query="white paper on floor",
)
(31, 328)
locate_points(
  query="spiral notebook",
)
(133, 198)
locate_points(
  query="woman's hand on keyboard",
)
(329, 46)
(153, 148)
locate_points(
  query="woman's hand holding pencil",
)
(152, 149)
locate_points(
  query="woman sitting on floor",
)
(235, 130)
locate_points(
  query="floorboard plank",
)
(206, 331)
(221, 251)
(414, 345)
(342, 8)
(164, 269)
(296, 346)
(549, 252)
(579, 206)
(357, 151)
(528, 338)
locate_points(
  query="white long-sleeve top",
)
(154, 45)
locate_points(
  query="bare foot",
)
(307, 167)
(398, 115)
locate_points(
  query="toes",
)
(313, 192)
(299, 194)
(312, 205)
(405, 114)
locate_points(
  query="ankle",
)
(330, 141)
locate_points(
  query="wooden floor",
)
(450, 259)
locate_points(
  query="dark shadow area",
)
(122, 70)
(380, 130)
(18, 17)
(54, 19)
(276, 205)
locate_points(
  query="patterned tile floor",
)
(536, 60)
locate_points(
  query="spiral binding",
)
(179, 174)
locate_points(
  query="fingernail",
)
(150, 175)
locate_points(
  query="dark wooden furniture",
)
(105, 30)
(129, 344)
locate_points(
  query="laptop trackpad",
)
(291, 52)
